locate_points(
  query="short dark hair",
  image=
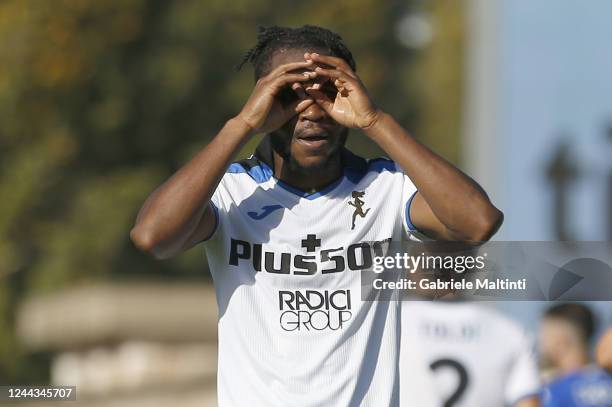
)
(271, 39)
(578, 315)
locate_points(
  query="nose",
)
(313, 113)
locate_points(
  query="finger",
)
(341, 87)
(297, 107)
(291, 66)
(321, 80)
(314, 85)
(301, 105)
(340, 80)
(299, 90)
(331, 61)
(288, 78)
(321, 99)
(335, 74)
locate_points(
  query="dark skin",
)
(310, 130)
(307, 146)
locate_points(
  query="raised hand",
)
(266, 109)
(348, 102)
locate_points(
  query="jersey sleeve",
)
(550, 398)
(409, 191)
(220, 203)
(523, 378)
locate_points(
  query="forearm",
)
(456, 200)
(174, 210)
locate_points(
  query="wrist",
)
(242, 126)
(376, 123)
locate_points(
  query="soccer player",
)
(564, 336)
(288, 230)
(565, 333)
(477, 356)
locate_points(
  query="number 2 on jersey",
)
(462, 374)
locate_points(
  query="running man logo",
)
(358, 205)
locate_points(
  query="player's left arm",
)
(449, 205)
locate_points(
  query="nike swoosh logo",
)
(266, 210)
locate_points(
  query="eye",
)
(287, 96)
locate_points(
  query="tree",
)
(101, 100)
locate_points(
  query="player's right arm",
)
(178, 214)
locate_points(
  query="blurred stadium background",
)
(102, 100)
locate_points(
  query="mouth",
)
(314, 141)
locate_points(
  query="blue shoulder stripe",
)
(409, 223)
(381, 164)
(260, 173)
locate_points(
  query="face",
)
(311, 139)
(604, 351)
(552, 341)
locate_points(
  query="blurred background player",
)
(476, 356)
(565, 335)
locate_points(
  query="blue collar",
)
(260, 166)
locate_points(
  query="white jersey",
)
(293, 330)
(476, 356)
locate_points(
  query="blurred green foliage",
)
(101, 100)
